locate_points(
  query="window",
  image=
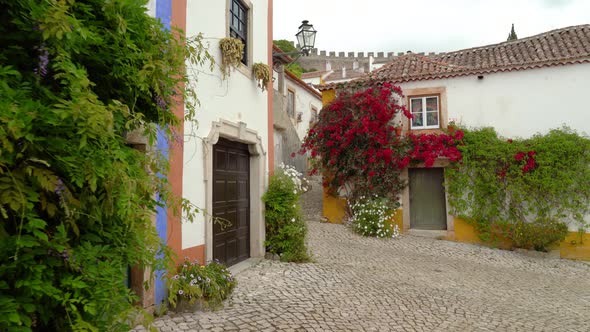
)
(314, 116)
(238, 25)
(425, 111)
(291, 103)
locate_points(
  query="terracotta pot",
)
(398, 131)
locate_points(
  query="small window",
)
(425, 111)
(238, 25)
(291, 103)
(314, 116)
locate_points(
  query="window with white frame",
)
(426, 112)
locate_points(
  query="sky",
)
(422, 25)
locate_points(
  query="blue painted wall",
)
(164, 13)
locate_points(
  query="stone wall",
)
(330, 60)
(286, 138)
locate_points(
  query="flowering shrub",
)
(428, 147)
(356, 142)
(372, 217)
(357, 145)
(525, 191)
(211, 283)
(285, 228)
(301, 184)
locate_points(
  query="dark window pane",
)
(432, 118)
(416, 105)
(417, 121)
(238, 26)
(432, 104)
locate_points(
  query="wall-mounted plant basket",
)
(232, 51)
(261, 74)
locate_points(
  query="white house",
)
(520, 88)
(226, 153)
(296, 105)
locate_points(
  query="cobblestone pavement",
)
(405, 284)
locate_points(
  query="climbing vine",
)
(76, 202)
(522, 190)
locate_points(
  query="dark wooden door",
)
(427, 199)
(231, 202)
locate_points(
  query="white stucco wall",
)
(304, 101)
(237, 99)
(521, 103)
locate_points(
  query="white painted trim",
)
(238, 132)
(425, 112)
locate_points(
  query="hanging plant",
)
(262, 74)
(232, 51)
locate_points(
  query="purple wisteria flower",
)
(43, 61)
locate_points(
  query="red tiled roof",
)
(350, 74)
(557, 47)
(303, 84)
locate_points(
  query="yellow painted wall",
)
(328, 96)
(334, 208)
(573, 247)
(398, 219)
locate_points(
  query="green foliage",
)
(295, 68)
(285, 228)
(211, 283)
(502, 184)
(512, 35)
(76, 202)
(285, 45)
(539, 234)
(373, 217)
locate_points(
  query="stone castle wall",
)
(324, 60)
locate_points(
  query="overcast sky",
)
(422, 25)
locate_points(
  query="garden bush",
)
(285, 227)
(210, 284)
(372, 216)
(538, 235)
(76, 201)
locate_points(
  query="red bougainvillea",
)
(356, 142)
(429, 147)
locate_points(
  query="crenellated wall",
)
(331, 60)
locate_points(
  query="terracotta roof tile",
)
(557, 47)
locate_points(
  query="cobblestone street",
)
(405, 284)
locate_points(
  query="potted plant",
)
(232, 51)
(261, 74)
(194, 286)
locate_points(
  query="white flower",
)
(292, 219)
(180, 292)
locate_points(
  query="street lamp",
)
(305, 39)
